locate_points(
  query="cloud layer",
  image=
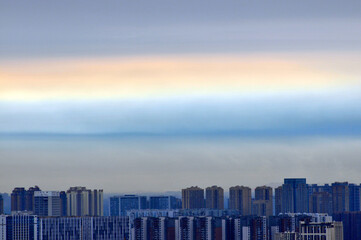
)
(91, 28)
(159, 95)
(291, 113)
(121, 78)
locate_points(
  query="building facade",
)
(153, 228)
(321, 231)
(18, 227)
(47, 203)
(84, 202)
(263, 202)
(278, 200)
(199, 228)
(193, 198)
(119, 205)
(288, 236)
(1, 204)
(321, 202)
(84, 228)
(29, 198)
(295, 195)
(354, 197)
(214, 197)
(340, 197)
(63, 204)
(283, 224)
(351, 224)
(163, 202)
(23, 200)
(240, 198)
(18, 199)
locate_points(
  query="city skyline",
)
(295, 197)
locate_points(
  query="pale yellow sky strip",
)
(168, 76)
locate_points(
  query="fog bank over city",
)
(120, 165)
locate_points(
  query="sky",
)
(156, 96)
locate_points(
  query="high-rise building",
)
(18, 199)
(280, 224)
(199, 228)
(1, 204)
(22, 200)
(295, 195)
(18, 227)
(96, 203)
(119, 205)
(263, 193)
(321, 202)
(2, 227)
(214, 197)
(163, 202)
(110, 228)
(184, 228)
(84, 202)
(263, 203)
(290, 223)
(261, 208)
(63, 227)
(63, 202)
(47, 203)
(351, 224)
(340, 197)
(249, 227)
(312, 188)
(29, 198)
(322, 231)
(154, 228)
(278, 200)
(207, 228)
(84, 228)
(240, 198)
(192, 198)
(355, 197)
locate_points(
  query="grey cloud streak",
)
(66, 28)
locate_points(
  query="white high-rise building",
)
(322, 231)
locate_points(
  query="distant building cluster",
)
(300, 226)
(77, 201)
(21, 226)
(294, 196)
(293, 211)
(195, 224)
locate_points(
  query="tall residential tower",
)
(214, 197)
(84, 202)
(240, 198)
(192, 198)
(263, 202)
